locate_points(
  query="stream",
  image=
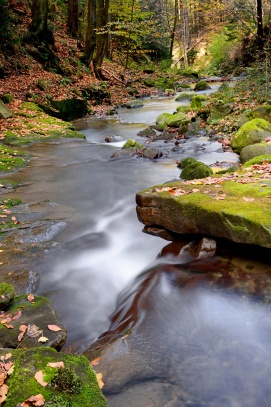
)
(99, 251)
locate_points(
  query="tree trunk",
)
(90, 38)
(38, 25)
(260, 23)
(102, 37)
(73, 20)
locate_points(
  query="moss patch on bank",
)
(74, 386)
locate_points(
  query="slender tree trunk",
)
(90, 38)
(101, 38)
(173, 33)
(260, 23)
(73, 17)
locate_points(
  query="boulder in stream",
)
(254, 150)
(252, 132)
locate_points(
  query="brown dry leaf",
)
(7, 356)
(33, 331)
(248, 199)
(54, 328)
(194, 190)
(56, 364)
(3, 377)
(7, 366)
(37, 400)
(39, 377)
(263, 185)
(23, 329)
(30, 297)
(3, 393)
(99, 377)
(9, 326)
(17, 315)
(95, 362)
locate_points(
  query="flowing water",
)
(100, 248)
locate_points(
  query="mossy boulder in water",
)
(201, 85)
(66, 109)
(196, 170)
(249, 152)
(178, 120)
(197, 102)
(184, 97)
(148, 132)
(74, 383)
(130, 143)
(162, 120)
(252, 132)
(187, 161)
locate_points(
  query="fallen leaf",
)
(56, 364)
(95, 362)
(248, 199)
(54, 328)
(23, 329)
(9, 326)
(33, 331)
(37, 400)
(11, 370)
(7, 356)
(3, 377)
(7, 366)
(39, 377)
(195, 190)
(3, 393)
(17, 315)
(43, 339)
(99, 377)
(30, 297)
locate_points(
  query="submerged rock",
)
(113, 139)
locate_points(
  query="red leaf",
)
(54, 328)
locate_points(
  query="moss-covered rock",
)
(130, 143)
(161, 120)
(249, 133)
(183, 109)
(224, 88)
(66, 109)
(219, 110)
(196, 170)
(236, 211)
(39, 313)
(197, 102)
(5, 112)
(7, 293)
(187, 161)
(178, 120)
(134, 104)
(184, 97)
(258, 160)
(148, 132)
(258, 149)
(260, 112)
(73, 385)
(201, 85)
(182, 86)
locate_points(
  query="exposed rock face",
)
(227, 210)
(5, 112)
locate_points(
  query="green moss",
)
(162, 119)
(184, 97)
(197, 102)
(178, 120)
(187, 161)
(6, 288)
(31, 106)
(201, 85)
(249, 133)
(258, 160)
(183, 109)
(196, 170)
(130, 143)
(85, 391)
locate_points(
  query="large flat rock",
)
(235, 206)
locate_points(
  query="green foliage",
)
(67, 381)
(6, 98)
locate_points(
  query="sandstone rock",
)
(5, 112)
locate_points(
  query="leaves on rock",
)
(56, 364)
(43, 339)
(23, 329)
(54, 328)
(30, 297)
(37, 400)
(95, 362)
(3, 393)
(33, 331)
(99, 377)
(39, 377)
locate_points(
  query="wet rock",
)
(134, 104)
(206, 248)
(179, 120)
(130, 143)
(201, 85)
(151, 153)
(187, 161)
(36, 315)
(7, 293)
(255, 150)
(148, 132)
(160, 232)
(161, 120)
(113, 139)
(66, 109)
(124, 153)
(184, 97)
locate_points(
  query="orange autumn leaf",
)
(3, 393)
(39, 377)
(56, 364)
(30, 297)
(248, 199)
(99, 378)
(37, 400)
(54, 328)
(95, 362)
(23, 329)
